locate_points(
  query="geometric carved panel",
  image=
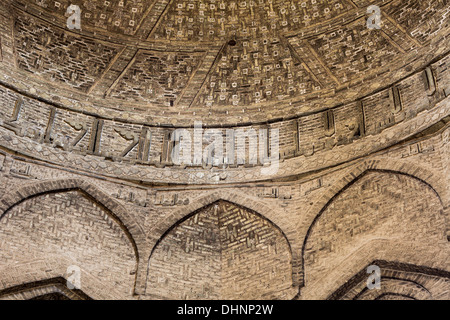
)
(353, 51)
(157, 76)
(118, 16)
(255, 71)
(195, 20)
(61, 56)
(420, 18)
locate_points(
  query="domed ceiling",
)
(170, 62)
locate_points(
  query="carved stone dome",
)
(221, 62)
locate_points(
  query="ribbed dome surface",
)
(221, 62)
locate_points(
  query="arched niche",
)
(47, 235)
(378, 215)
(398, 281)
(221, 251)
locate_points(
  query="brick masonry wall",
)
(221, 252)
(373, 122)
(156, 209)
(364, 150)
(62, 230)
(378, 207)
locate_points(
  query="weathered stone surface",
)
(87, 177)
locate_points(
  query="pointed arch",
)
(271, 214)
(134, 231)
(425, 176)
(203, 217)
(116, 211)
